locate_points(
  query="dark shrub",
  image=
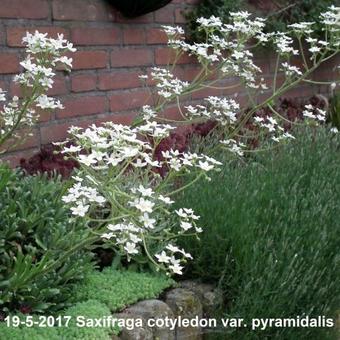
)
(36, 234)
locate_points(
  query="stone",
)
(186, 304)
(211, 297)
(137, 333)
(154, 309)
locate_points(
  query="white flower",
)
(291, 70)
(315, 49)
(176, 269)
(163, 257)
(166, 200)
(87, 160)
(107, 235)
(181, 213)
(145, 191)
(80, 210)
(205, 166)
(48, 103)
(65, 60)
(129, 151)
(210, 22)
(148, 113)
(147, 221)
(131, 248)
(236, 147)
(186, 225)
(143, 205)
(173, 249)
(71, 149)
(170, 30)
(2, 95)
(134, 238)
(116, 227)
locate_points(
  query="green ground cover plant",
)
(98, 295)
(275, 219)
(89, 309)
(119, 289)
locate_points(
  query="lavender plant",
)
(43, 56)
(117, 187)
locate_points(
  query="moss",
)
(90, 309)
(26, 333)
(118, 289)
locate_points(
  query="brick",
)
(55, 132)
(206, 93)
(129, 100)
(165, 15)
(300, 92)
(58, 131)
(9, 63)
(119, 80)
(82, 106)
(14, 159)
(17, 144)
(165, 55)
(124, 119)
(83, 10)
(189, 72)
(83, 82)
(15, 34)
(156, 36)
(89, 59)
(59, 88)
(133, 36)
(143, 19)
(2, 36)
(3, 85)
(172, 113)
(24, 9)
(44, 115)
(131, 57)
(179, 16)
(95, 36)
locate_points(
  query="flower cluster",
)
(167, 84)
(222, 110)
(314, 114)
(117, 181)
(43, 56)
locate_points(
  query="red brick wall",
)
(112, 52)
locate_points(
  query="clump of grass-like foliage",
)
(272, 234)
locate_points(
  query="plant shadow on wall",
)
(274, 216)
(136, 8)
